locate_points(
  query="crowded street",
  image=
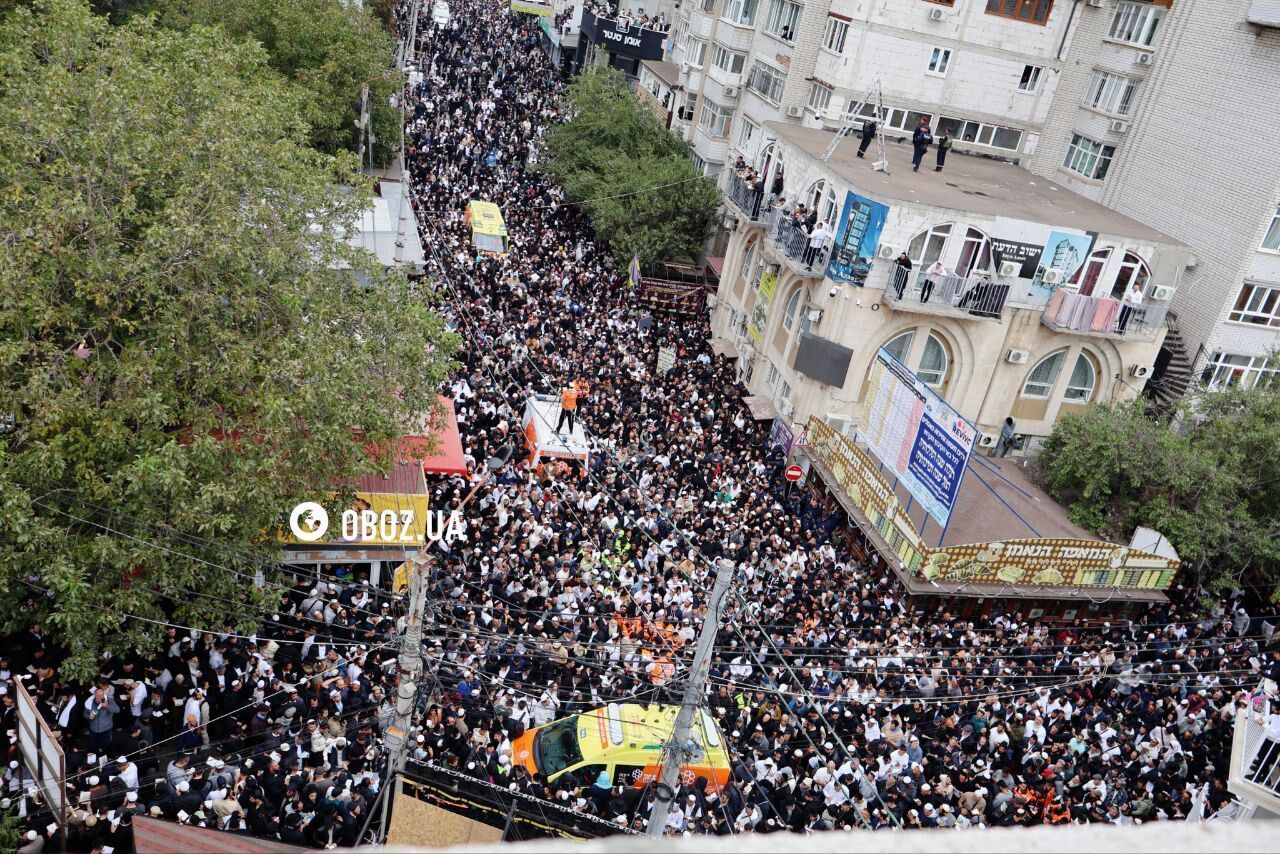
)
(845, 703)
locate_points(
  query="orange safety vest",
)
(569, 398)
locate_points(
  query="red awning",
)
(448, 456)
(152, 836)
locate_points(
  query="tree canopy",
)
(184, 353)
(614, 147)
(1212, 487)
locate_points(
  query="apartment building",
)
(980, 318)
(1153, 108)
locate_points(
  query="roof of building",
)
(378, 227)
(667, 72)
(969, 183)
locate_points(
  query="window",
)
(900, 345)
(1227, 369)
(939, 60)
(819, 96)
(747, 133)
(1030, 81)
(822, 198)
(784, 18)
(695, 52)
(1042, 377)
(1133, 270)
(698, 162)
(1271, 240)
(746, 261)
(894, 117)
(975, 253)
(690, 104)
(729, 61)
(741, 11)
(715, 118)
(1257, 304)
(1089, 273)
(837, 33)
(709, 6)
(1110, 93)
(1090, 159)
(1033, 11)
(933, 364)
(1083, 378)
(1136, 23)
(768, 81)
(980, 133)
(793, 305)
(926, 247)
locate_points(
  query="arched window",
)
(901, 345)
(1132, 269)
(975, 253)
(1090, 271)
(793, 306)
(1084, 377)
(1040, 381)
(822, 198)
(747, 258)
(926, 247)
(934, 362)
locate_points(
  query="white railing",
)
(977, 295)
(1254, 774)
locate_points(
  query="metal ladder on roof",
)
(855, 114)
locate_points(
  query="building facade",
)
(986, 327)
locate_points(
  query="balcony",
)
(947, 295)
(1254, 772)
(744, 198)
(791, 241)
(1104, 317)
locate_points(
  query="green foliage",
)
(614, 146)
(10, 832)
(183, 353)
(325, 48)
(1213, 488)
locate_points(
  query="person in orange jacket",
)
(568, 406)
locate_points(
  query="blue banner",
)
(856, 240)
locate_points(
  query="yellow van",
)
(488, 231)
(624, 740)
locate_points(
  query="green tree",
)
(1213, 487)
(614, 152)
(328, 49)
(184, 353)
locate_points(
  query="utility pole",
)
(681, 748)
(409, 667)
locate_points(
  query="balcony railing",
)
(790, 239)
(973, 295)
(1254, 773)
(1102, 315)
(745, 198)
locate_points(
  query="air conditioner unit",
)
(1162, 293)
(787, 408)
(731, 91)
(795, 112)
(1143, 59)
(774, 268)
(887, 251)
(684, 68)
(1051, 276)
(1140, 371)
(815, 315)
(987, 440)
(1119, 126)
(1009, 269)
(1017, 357)
(935, 15)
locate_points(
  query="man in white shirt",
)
(1131, 304)
(817, 241)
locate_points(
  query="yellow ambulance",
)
(623, 740)
(488, 231)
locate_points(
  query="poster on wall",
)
(861, 222)
(1051, 561)
(529, 7)
(1066, 251)
(917, 434)
(760, 314)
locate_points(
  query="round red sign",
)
(793, 473)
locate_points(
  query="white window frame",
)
(783, 13)
(1271, 237)
(934, 379)
(1257, 305)
(1044, 387)
(1029, 81)
(983, 133)
(746, 132)
(698, 162)
(939, 62)
(1089, 158)
(740, 12)
(909, 336)
(836, 36)
(723, 53)
(1225, 370)
(1081, 393)
(747, 258)
(709, 6)
(767, 81)
(820, 97)
(941, 233)
(1111, 93)
(715, 118)
(792, 309)
(698, 47)
(1136, 23)
(895, 118)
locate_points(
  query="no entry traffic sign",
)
(793, 473)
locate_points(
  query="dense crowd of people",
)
(844, 703)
